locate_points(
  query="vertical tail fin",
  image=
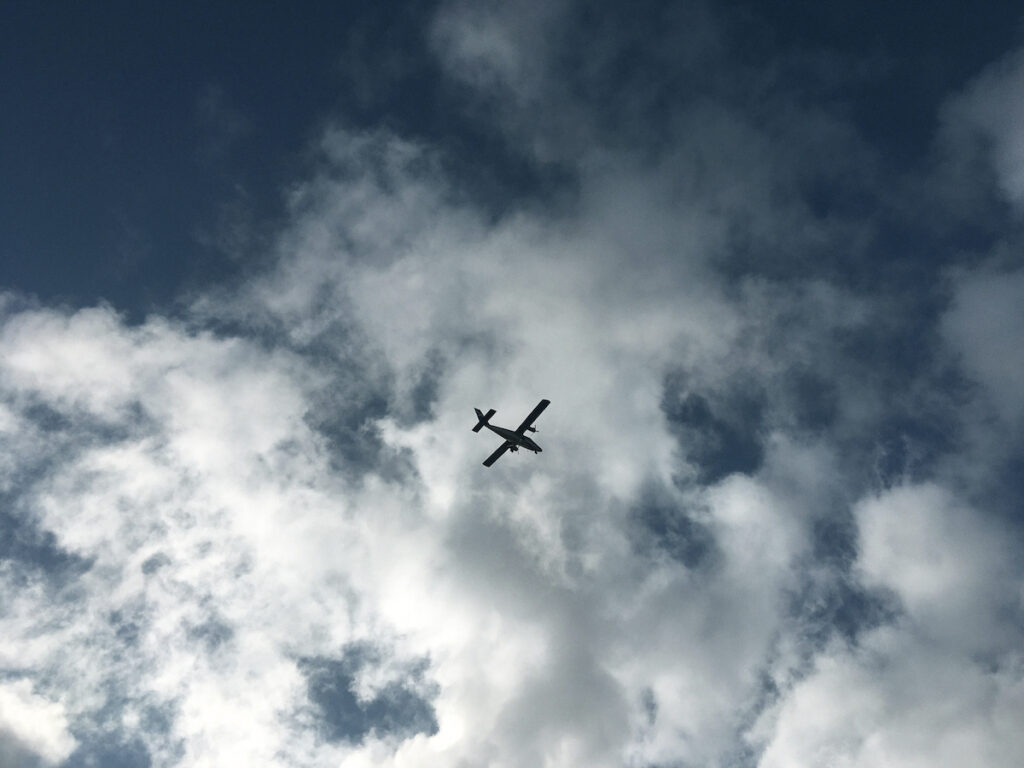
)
(482, 418)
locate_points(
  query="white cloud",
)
(34, 722)
(225, 536)
(896, 702)
(82, 350)
(224, 542)
(952, 569)
(940, 687)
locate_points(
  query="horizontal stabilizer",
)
(482, 418)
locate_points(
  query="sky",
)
(259, 265)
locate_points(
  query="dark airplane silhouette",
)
(514, 439)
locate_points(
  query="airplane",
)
(514, 439)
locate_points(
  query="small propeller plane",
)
(514, 439)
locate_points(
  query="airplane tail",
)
(482, 418)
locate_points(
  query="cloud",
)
(941, 685)
(32, 728)
(950, 567)
(225, 549)
(260, 533)
(991, 106)
(392, 710)
(984, 325)
(589, 625)
(486, 45)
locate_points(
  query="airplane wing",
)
(497, 454)
(533, 416)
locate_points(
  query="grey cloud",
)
(155, 563)
(109, 752)
(991, 106)
(838, 607)
(830, 600)
(16, 755)
(985, 326)
(212, 633)
(573, 707)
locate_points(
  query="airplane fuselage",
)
(521, 441)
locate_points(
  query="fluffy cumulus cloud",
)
(942, 685)
(35, 729)
(769, 526)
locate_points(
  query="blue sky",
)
(258, 266)
(136, 137)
